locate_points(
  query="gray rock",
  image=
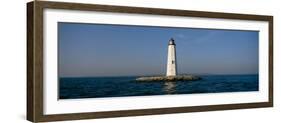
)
(168, 78)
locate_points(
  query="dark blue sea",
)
(97, 87)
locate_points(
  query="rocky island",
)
(168, 78)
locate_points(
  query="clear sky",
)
(120, 50)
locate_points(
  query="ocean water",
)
(97, 87)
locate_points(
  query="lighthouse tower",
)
(171, 62)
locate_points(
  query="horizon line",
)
(156, 75)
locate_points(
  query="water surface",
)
(96, 87)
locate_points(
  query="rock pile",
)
(168, 78)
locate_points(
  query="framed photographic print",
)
(89, 61)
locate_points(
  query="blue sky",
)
(120, 50)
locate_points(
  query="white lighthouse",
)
(171, 62)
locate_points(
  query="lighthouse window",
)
(173, 62)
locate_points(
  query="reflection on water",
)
(169, 87)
